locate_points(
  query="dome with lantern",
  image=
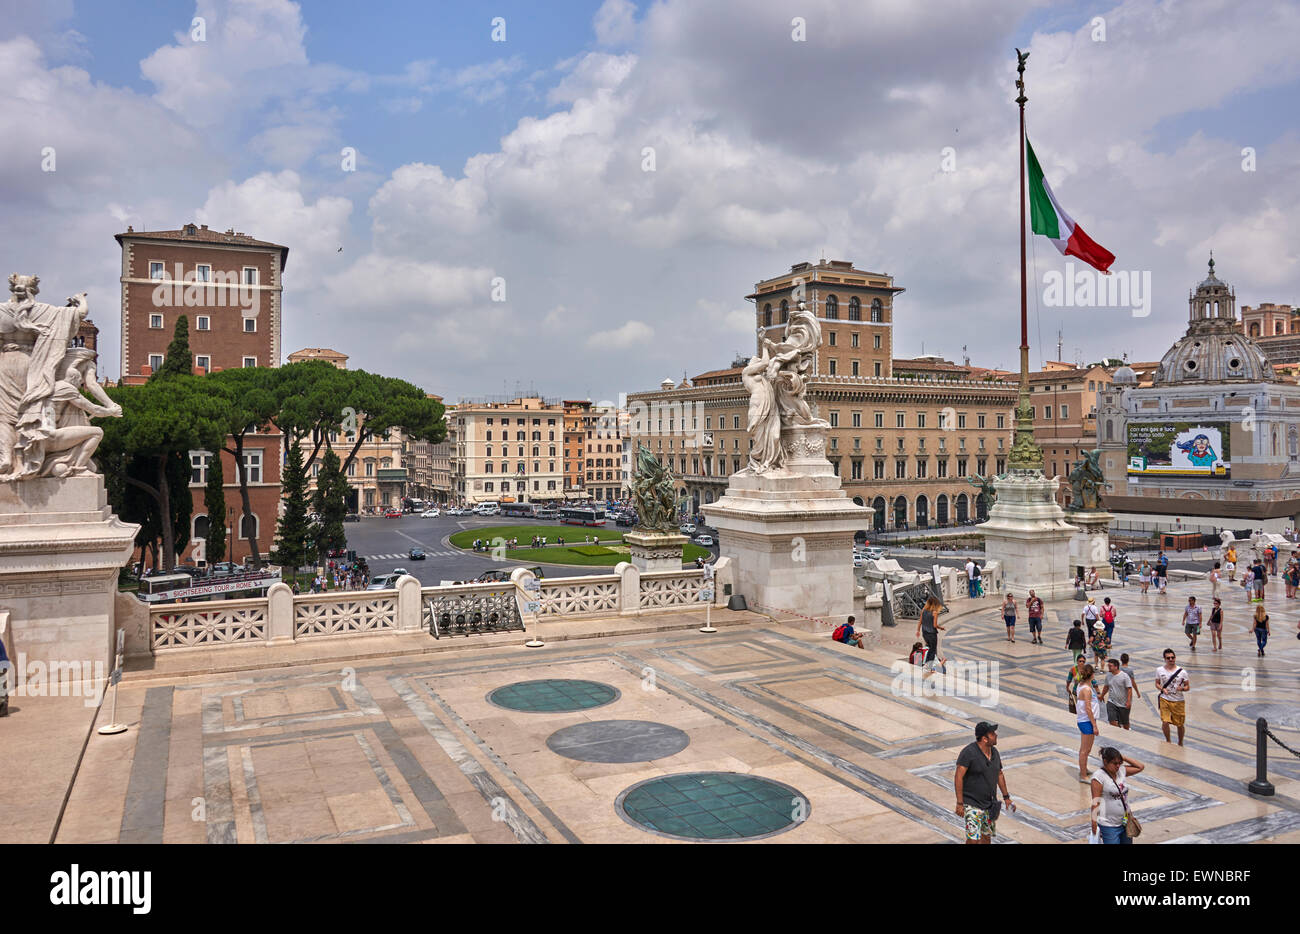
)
(1213, 349)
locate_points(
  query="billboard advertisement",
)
(1179, 449)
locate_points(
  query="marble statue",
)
(1086, 483)
(653, 493)
(45, 428)
(777, 381)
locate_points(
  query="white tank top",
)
(1094, 703)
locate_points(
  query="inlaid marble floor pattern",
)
(455, 748)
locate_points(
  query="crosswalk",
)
(403, 556)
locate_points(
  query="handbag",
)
(1132, 828)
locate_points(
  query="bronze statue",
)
(986, 488)
(1086, 482)
(653, 493)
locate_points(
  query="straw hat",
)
(1092, 599)
(1099, 625)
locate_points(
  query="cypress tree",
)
(331, 503)
(294, 535)
(178, 358)
(214, 500)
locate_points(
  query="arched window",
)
(900, 512)
(767, 315)
(877, 311)
(963, 508)
(855, 309)
(878, 507)
(941, 509)
(922, 512)
(785, 311)
(1254, 329)
(1292, 443)
(201, 527)
(832, 308)
(248, 526)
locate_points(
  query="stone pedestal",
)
(656, 551)
(1027, 534)
(1090, 544)
(61, 548)
(789, 532)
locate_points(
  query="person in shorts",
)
(1216, 626)
(977, 780)
(1108, 618)
(1117, 692)
(1172, 681)
(1192, 622)
(1124, 667)
(848, 636)
(1034, 609)
(1009, 616)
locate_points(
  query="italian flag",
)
(1048, 218)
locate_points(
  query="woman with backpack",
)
(1108, 618)
(1260, 628)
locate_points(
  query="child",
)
(917, 655)
(846, 634)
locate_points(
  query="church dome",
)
(1213, 349)
(1125, 376)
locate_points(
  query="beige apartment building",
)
(1065, 415)
(905, 446)
(603, 452)
(507, 452)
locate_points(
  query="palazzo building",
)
(907, 446)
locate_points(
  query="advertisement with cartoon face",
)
(1180, 449)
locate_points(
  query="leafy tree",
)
(331, 503)
(382, 403)
(214, 499)
(178, 360)
(294, 543)
(146, 450)
(249, 404)
(309, 401)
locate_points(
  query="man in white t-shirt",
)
(970, 577)
(1172, 681)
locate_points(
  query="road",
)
(385, 544)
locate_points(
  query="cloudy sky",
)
(880, 131)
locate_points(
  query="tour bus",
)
(582, 515)
(517, 509)
(170, 588)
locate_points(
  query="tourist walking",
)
(1108, 618)
(1088, 717)
(1076, 640)
(1192, 622)
(1009, 616)
(1144, 575)
(1173, 684)
(1091, 614)
(979, 580)
(1214, 580)
(1117, 692)
(1230, 556)
(1216, 626)
(970, 577)
(1111, 816)
(1099, 643)
(977, 780)
(1260, 628)
(1123, 666)
(928, 628)
(1261, 579)
(1034, 609)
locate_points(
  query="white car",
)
(687, 529)
(430, 514)
(859, 560)
(703, 539)
(874, 552)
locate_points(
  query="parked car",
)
(384, 581)
(626, 519)
(223, 568)
(416, 553)
(875, 552)
(392, 514)
(398, 572)
(430, 514)
(687, 529)
(703, 539)
(860, 560)
(352, 517)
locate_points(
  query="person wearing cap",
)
(1192, 622)
(977, 780)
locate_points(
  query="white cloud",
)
(615, 22)
(629, 335)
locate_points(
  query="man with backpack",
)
(844, 633)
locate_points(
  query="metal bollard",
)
(1261, 785)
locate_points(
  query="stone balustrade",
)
(282, 618)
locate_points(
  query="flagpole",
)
(1025, 454)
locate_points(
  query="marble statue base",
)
(1090, 545)
(789, 532)
(1027, 534)
(61, 548)
(656, 551)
